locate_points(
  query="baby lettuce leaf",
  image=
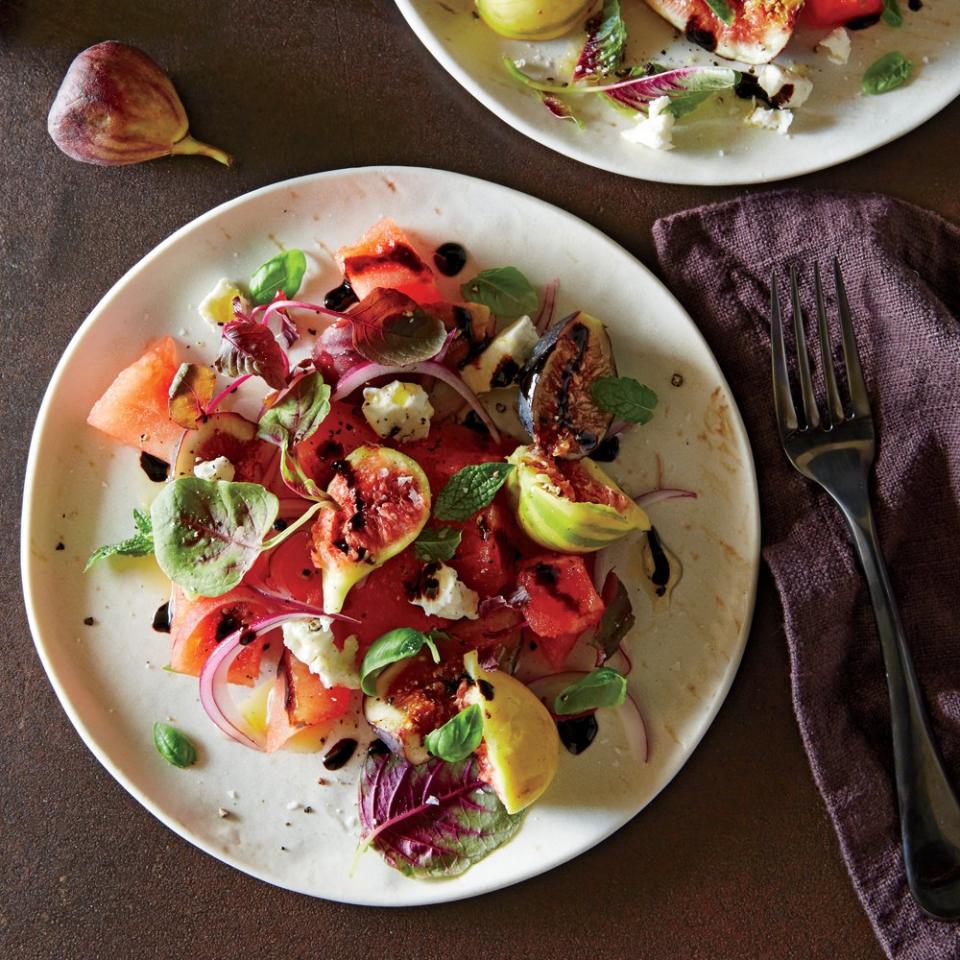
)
(280, 274)
(392, 329)
(208, 533)
(191, 390)
(250, 348)
(139, 545)
(458, 737)
(392, 646)
(297, 413)
(436, 819)
(602, 52)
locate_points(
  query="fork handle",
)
(929, 812)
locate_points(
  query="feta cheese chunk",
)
(778, 120)
(505, 355)
(785, 88)
(445, 596)
(217, 306)
(311, 642)
(836, 46)
(656, 129)
(220, 468)
(401, 411)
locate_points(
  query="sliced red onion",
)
(298, 606)
(441, 354)
(636, 730)
(655, 496)
(225, 392)
(364, 372)
(544, 319)
(620, 661)
(277, 305)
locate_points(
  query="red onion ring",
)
(544, 318)
(655, 496)
(363, 372)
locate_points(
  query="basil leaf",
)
(248, 347)
(602, 687)
(437, 543)
(602, 52)
(175, 747)
(390, 328)
(191, 390)
(723, 11)
(458, 737)
(209, 533)
(139, 545)
(393, 646)
(297, 413)
(617, 619)
(624, 397)
(283, 272)
(505, 290)
(892, 16)
(886, 74)
(471, 489)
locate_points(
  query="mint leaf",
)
(471, 489)
(723, 10)
(602, 52)
(458, 737)
(283, 272)
(886, 74)
(892, 16)
(297, 413)
(624, 397)
(504, 290)
(602, 687)
(175, 747)
(437, 544)
(394, 645)
(139, 545)
(209, 533)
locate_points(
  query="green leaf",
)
(209, 533)
(892, 16)
(886, 74)
(686, 103)
(393, 646)
(437, 543)
(471, 489)
(505, 290)
(298, 412)
(175, 747)
(602, 687)
(458, 737)
(624, 397)
(391, 328)
(283, 272)
(602, 52)
(616, 622)
(139, 545)
(723, 11)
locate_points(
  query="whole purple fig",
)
(116, 106)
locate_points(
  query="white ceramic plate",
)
(713, 146)
(81, 488)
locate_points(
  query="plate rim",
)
(544, 138)
(433, 893)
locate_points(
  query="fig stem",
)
(189, 146)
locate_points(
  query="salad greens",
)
(280, 274)
(249, 349)
(889, 72)
(603, 687)
(458, 737)
(435, 819)
(139, 545)
(625, 398)
(504, 290)
(602, 52)
(892, 16)
(392, 329)
(175, 747)
(393, 646)
(471, 489)
(437, 543)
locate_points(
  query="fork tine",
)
(835, 412)
(782, 400)
(810, 412)
(851, 358)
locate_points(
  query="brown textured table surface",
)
(735, 860)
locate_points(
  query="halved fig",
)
(556, 405)
(380, 503)
(226, 435)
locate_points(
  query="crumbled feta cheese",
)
(654, 130)
(449, 598)
(502, 360)
(836, 45)
(311, 642)
(220, 468)
(785, 88)
(778, 120)
(217, 306)
(401, 411)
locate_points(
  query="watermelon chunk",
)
(134, 408)
(384, 257)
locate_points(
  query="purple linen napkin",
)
(901, 266)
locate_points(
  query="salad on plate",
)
(411, 533)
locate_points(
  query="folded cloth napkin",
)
(901, 266)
